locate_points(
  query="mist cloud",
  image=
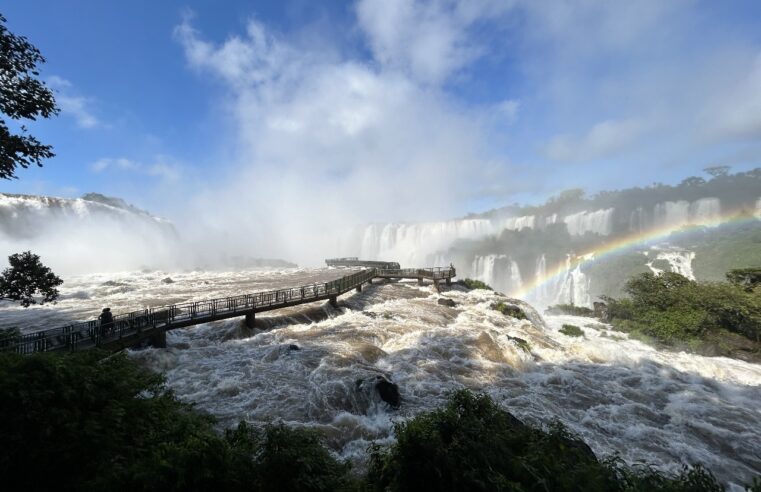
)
(325, 144)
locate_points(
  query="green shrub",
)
(473, 444)
(747, 278)
(8, 337)
(571, 331)
(509, 310)
(108, 424)
(672, 309)
(474, 284)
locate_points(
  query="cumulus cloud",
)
(76, 106)
(327, 143)
(428, 39)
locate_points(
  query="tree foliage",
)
(22, 96)
(27, 277)
(107, 424)
(473, 444)
(672, 309)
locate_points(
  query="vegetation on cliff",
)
(717, 318)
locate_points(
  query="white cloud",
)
(162, 167)
(736, 113)
(428, 39)
(77, 107)
(605, 139)
(328, 143)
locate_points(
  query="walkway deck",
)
(152, 324)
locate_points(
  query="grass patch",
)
(509, 310)
(571, 331)
(474, 284)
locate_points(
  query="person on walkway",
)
(106, 321)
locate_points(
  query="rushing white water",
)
(617, 394)
(573, 286)
(498, 271)
(597, 222)
(69, 233)
(680, 261)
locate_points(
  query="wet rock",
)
(489, 348)
(383, 387)
(601, 311)
(370, 352)
(443, 301)
(167, 280)
(389, 392)
(293, 347)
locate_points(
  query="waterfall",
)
(705, 211)
(412, 244)
(597, 222)
(516, 282)
(680, 261)
(672, 214)
(680, 213)
(637, 220)
(498, 271)
(83, 234)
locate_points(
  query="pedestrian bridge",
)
(130, 329)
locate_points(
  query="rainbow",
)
(624, 243)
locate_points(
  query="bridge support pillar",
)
(449, 280)
(250, 320)
(158, 340)
(359, 288)
(420, 280)
(437, 286)
(333, 301)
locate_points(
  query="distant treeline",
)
(733, 190)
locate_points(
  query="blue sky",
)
(196, 110)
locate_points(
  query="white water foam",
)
(619, 395)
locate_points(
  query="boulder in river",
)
(444, 301)
(385, 389)
(388, 391)
(167, 280)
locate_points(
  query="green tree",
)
(717, 171)
(27, 277)
(22, 96)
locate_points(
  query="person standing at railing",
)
(106, 321)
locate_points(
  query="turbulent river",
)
(619, 395)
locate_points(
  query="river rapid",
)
(619, 395)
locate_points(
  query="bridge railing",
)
(429, 273)
(93, 333)
(87, 334)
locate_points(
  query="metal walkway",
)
(129, 329)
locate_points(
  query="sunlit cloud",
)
(76, 106)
